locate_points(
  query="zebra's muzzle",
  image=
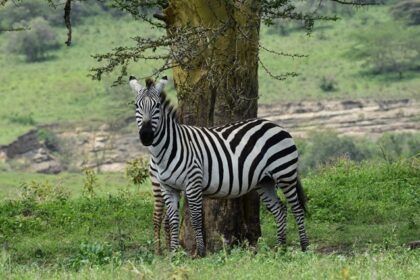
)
(146, 134)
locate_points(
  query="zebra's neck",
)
(166, 134)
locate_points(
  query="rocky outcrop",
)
(354, 117)
(30, 154)
(101, 147)
(103, 150)
(23, 144)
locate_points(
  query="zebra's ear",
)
(134, 84)
(161, 85)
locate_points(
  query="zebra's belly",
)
(226, 190)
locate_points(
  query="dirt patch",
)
(356, 117)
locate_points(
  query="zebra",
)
(221, 162)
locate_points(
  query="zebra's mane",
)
(168, 107)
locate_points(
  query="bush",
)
(392, 48)
(90, 183)
(25, 119)
(49, 139)
(328, 83)
(43, 191)
(408, 10)
(35, 43)
(137, 170)
(325, 147)
(396, 146)
(91, 254)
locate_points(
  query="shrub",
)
(407, 10)
(328, 83)
(390, 49)
(49, 139)
(395, 146)
(35, 43)
(23, 119)
(90, 184)
(137, 170)
(325, 147)
(91, 254)
(43, 191)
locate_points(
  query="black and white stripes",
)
(220, 162)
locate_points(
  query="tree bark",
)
(216, 85)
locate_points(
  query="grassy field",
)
(12, 182)
(361, 216)
(59, 90)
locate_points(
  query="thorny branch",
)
(184, 46)
(277, 77)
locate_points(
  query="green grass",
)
(242, 264)
(360, 218)
(11, 183)
(59, 90)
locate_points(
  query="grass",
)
(59, 90)
(361, 216)
(11, 183)
(241, 264)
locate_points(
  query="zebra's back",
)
(236, 157)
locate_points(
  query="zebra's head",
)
(147, 107)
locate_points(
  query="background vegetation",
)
(58, 90)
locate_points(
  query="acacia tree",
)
(212, 46)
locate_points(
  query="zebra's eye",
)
(158, 105)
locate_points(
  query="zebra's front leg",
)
(194, 196)
(157, 212)
(273, 203)
(171, 197)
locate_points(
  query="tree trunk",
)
(218, 84)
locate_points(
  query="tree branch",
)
(67, 21)
(356, 3)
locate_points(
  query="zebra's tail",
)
(301, 195)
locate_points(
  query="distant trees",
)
(407, 10)
(390, 49)
(12, 13)
(36, 43)
(323, 148)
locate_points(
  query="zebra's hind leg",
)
(157, 212)
(167, 231)
(171, 197)
(293, 192)
(273, 203)
(194, 196)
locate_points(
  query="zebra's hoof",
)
(304, 247)
(200, 253)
